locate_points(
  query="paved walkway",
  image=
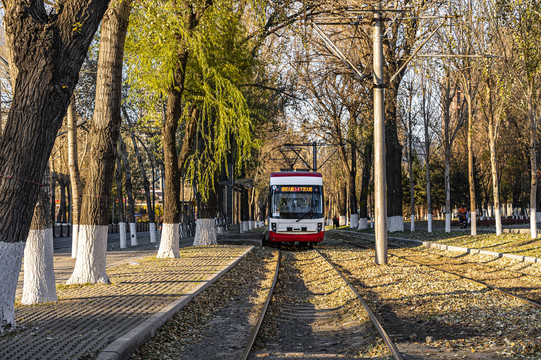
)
(87, 319)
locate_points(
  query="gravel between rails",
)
(431, 315)
(314, 315)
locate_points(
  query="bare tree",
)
(93, 227)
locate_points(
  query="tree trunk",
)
(39, 284)
(171, 200)
(244, 211)
(447, 175)
(352, 176)
(428, 181)
(353, 215)
(426, 121)
(93, 227)
(61, 218)
(533, 163)
(205, 230)
(45, 55)
(52, 185)
(343, 203)
(471, 178)
(75, 176)
(172, 162)
(447, 143)
(410, 167)
(146, 185)
(129, 191)
(363, 199)
(395, 221)
(493, 166)
(120, 198)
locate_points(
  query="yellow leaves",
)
(77, 27)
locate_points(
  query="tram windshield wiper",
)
(304, 215)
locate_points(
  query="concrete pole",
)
(380, 180)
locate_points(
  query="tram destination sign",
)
(296, 189)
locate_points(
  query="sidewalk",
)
(87, 319)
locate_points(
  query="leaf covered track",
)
(433, 314)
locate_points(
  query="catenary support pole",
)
(314, 155)
(380, 181)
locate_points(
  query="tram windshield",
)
(296, 202)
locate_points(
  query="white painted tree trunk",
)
(152, 230)
(448, 222)
(533, 223)
(11, 255)
(182, 231)
(412, 221)
(244, 226)
(354, 221)
(169, 243)
(429, 223)
(133, 234)
(343, 220)
(205, 232)
(122, 233)
(74, 240)
(91, 256)
(39, 284)
(498, 221)
(363, 223)
(395, 223)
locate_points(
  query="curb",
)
(471, 251)
(124, 346)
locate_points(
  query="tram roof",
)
(295, 173)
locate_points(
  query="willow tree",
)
(158, 53)
(47, 48)
(224, 62)
(179, 58)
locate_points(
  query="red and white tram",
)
(296, 207)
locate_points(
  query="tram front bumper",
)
(296, 236)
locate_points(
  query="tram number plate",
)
(296, 189)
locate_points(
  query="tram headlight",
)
(319, 227)
(273, 227)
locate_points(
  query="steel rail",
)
(255, 330)
(530, 301)
(392, 348)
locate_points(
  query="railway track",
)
(519, 285)
(312, 319)
(255, 330)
